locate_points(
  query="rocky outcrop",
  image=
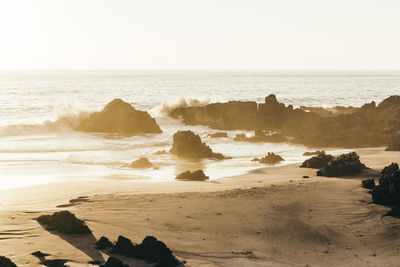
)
(64, 222)
(270, 158)
(313, 153)
(346, 164)
(318, 161)
(141, 163)
(6, 262)
(192, 176)
(218, 135)
(368, 126)
(387, 192)
(119, 117)
(187, 144)
(114, 262)
(368, 183)
(150, 250)
(103, 243)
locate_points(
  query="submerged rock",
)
(64, 222)
(218, 135)
(387, 192)
(368, 183)
(270, 158)
(346, 164)
(192, 176)
(150, 250)
(141, 163)
(119, 117)
(187, 144)
(103, 243)
(114, 262)
(6, 262)
(313, 153)
(160, 152)
(318, 161)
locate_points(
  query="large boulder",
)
(119, 117)
(64, 222)
(187, 144)
(150, 250)
(6, 262)
(114, 262)
(141, 163)
(103, 243)
(368, 183)
(387, 192)
(318, 161)
(192, 176)
(346, 164)
(270, 158)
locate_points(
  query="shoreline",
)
(269, 216)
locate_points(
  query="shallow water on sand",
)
(39, 109)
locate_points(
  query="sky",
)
(202, 34)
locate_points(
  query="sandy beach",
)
(268, 217)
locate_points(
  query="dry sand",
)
(269, 217)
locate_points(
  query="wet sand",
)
(268, 217)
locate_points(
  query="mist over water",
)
(39, 109)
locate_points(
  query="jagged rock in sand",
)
(141, 163)
(387, 192)
(368, 183)
(150, 250)
(261, 136)
(368, 126)
(270, 158)
(313, 153)
(187, 144)
(192, 176)
(64, 222)
(103, 243)
(6, 262)
(218, 135)
(346, 164)
(114, 262)
(119, 117)
(318, 161)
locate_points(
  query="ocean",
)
(40, 108)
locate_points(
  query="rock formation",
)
(218, 135)
(368, 183)
(64, 222)
(192, 176)
(114, 262)
(318, 161)
(313, 153)
(187, 144)
(141, 163)
(346, 164)
(6, 262)
(270, 158)
(368, 126)
(103, 243)
(387, 192)
(119, 117)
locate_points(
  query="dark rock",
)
(187, 144)
(271, 158)
(368, 183)
(6, 262)
(218, 135)
(119, 117)
(103, 243)
(395, 212)
(141, 163)
(192, 176)
(387, 192)
(114, 262)
(313, 153)
(64, 222)
(317, 162)
(150, 250)
(54, 263)
(346, 164)
(305, 176)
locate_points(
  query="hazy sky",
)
(202, 34)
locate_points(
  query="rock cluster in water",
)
(192, 176)
(313, 153)
(187, 144)
(368, 126)
(119, 117)
(387, 192)
(64, 222)
(150, 250)
(368, 183)
(270, 158)
(346, 164)
(318, 161)
(141, 163)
